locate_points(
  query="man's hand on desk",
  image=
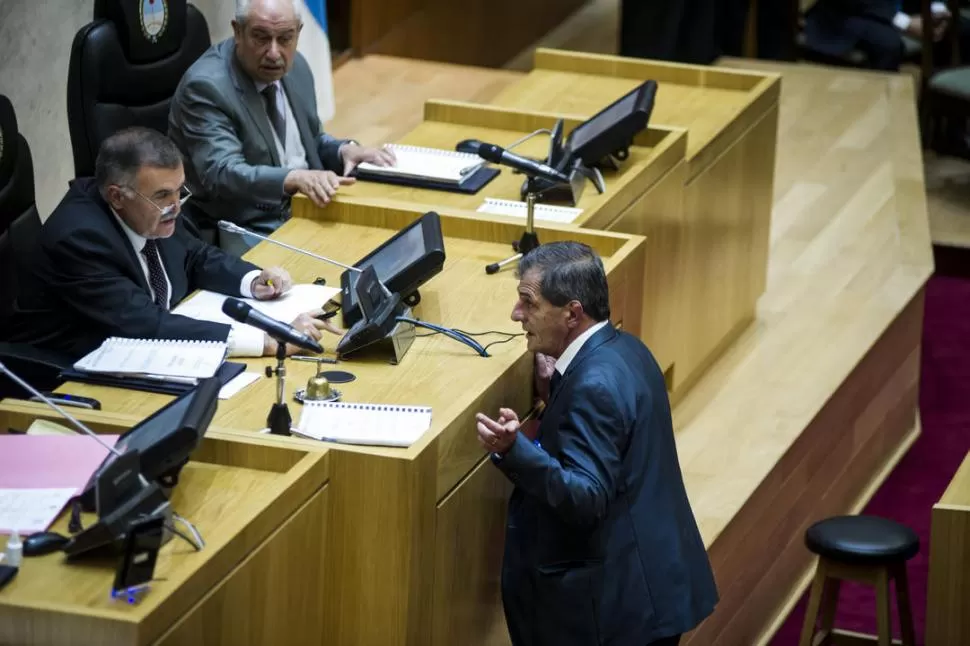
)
(271, 283)
(318, 185)
(353, 154)
(310, 324)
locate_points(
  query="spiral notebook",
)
(418, 162)
(550, 212)
(185, 361)
(371, 424)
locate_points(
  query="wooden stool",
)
(869, 550)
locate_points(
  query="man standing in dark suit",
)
(114, 257)
(245, 117)
(601, 546)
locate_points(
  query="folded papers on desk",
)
(40, 473)
(370, 424)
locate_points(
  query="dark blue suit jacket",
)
(601, 545)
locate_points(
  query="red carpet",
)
(919, 480)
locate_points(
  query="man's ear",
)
(113, 196)
(574, 313)
(237, 29)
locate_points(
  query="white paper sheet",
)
(31, 510)
(207, 306)
(237, 383)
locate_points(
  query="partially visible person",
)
(601, 546)
(875, 27)
(115, 256)
(245, 117)
(685, 31)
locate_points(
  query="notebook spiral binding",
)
(390, 408)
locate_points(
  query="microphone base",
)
(279, 420)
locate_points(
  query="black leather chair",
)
(16, 168)
(19, 226)
(124, 69)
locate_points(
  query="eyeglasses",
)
(165, 211)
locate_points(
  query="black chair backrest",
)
(17, 245)
(16, 168)
(125, 67)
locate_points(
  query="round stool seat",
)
(862, 540)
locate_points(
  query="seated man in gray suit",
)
(245, 118)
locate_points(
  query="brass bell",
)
(317, 387)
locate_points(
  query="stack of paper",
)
(39, 474)
(207, 306)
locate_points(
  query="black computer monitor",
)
(167, 438)
(612, 129)
(408, 260)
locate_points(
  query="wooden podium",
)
(697, 184)
(412, 543)
(263, 511)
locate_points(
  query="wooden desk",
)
(947, 620)
(414, 535)
(644, 197)
(262, 509)
(731, 117)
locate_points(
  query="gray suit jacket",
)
(218, 120)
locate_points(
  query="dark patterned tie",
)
(554, 383)
(272, 110)
(156, 275)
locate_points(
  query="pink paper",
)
(50, 461)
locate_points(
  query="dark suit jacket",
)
(834, 27)
(601, 545)
(85, 282)
(218, 120)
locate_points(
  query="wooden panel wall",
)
(472, 32)
(283, 578)
(850, 444)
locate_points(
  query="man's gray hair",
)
(570, 271)
(243, 7)
(126, 151)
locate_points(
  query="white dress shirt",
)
(903, 21)
(573, 348)
(292, 153)
(244, 340)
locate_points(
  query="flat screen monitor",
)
(167, 438)
(613, 128)
(406, 261)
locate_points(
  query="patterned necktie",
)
(156, 276)
(554, 383)
(272, 110)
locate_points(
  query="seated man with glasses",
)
(115, 257)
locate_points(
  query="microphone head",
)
(491, 152)
(468, 146)
(236, 309)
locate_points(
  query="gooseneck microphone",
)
(498, 155)
(235, 228)
(282, 332)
